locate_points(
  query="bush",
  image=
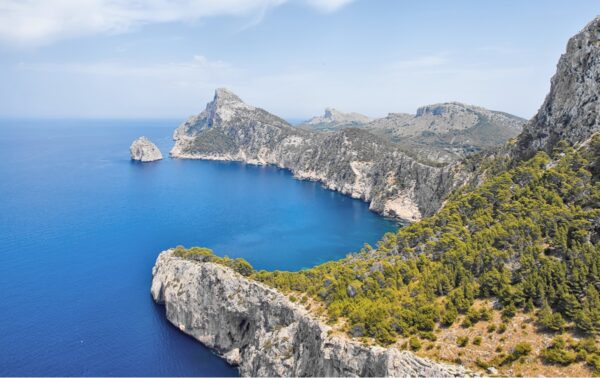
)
(521, 349)
(428, 336)
(501, 328)
(477, 340)
(593, 362)
(414, 344)
(552, 321)
(462, 341)
(466, 323)
(557, 353)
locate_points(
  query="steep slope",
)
(507, 274)
(352, 161)
(447, 132)
(260, 330)
(333, 120)
(522, 248)
(571, 111)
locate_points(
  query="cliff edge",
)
(258, 329)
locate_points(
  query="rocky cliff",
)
(144, 150)
(263, 333)
(448, 132)
(333, 119)
(571, 111)
(352, 161)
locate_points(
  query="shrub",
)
(462, 341)
(557, 353)
(521, 349)
(502, 328)
(466, 323)
(414, 343)
(477, 340)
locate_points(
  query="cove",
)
(81, 226)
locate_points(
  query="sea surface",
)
(81, 226)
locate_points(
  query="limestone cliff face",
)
(263, 333)
(332, 119)
(571, 110)
(448, 132)
(144, 150)
(352, 161)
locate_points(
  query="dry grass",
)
(521, 328)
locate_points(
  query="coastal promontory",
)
(261, 331)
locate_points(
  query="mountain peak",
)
(446, 107)
(571, 110)
(335, 118)
(330, 113)
(224, 95)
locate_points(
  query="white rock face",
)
(144, 150)
(333, 119)
(449, 131)
(258, 329)
(352, 161)
(571, 111)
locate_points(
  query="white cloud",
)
(179, 88)
(197, 68)
(31, 22)
(327, 6)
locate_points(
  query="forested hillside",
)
(524, 242)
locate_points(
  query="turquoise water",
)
(81, 226)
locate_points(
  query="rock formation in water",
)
(142, 149)
(571, 111)
(263, 333)
(448, 132)
(352, 161)
(333, 120)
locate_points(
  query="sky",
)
(164, 58)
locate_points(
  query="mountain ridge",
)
(353, 161)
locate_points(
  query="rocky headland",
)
(352, 161)
(262, 332)
(143, 150)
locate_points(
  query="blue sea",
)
(81, 226)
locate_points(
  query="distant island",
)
(499, 272)
(143, 150)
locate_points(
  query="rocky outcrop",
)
(448, 132)
(263, 333)
(352, 161)
(571, 111)
(142, 149)
(333, 120)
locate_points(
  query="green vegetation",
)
(462, 341)
(565, 351)
(526, 237)
(414, 343)
(207, 255)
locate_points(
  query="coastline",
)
(258, 329)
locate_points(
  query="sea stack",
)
(142, 149)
